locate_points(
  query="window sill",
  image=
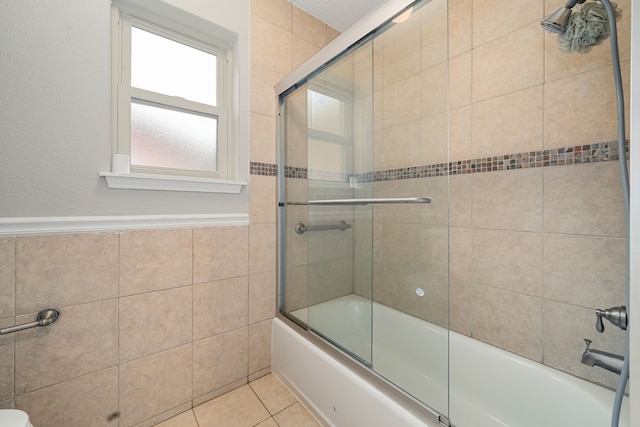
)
(130, 181)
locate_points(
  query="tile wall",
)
(154, 321)
(526, 193)
(536, 234)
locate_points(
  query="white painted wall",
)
(55, 112)
(635, 215)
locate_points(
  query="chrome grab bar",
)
(43, 318)
(358, 202)
(301, 228)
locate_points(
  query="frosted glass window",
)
(326, 113)
(168, 138)
(165, 66)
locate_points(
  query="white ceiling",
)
(340, 14)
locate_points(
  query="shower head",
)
(557, 21)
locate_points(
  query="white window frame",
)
(223, 180)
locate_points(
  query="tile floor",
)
(265, 402)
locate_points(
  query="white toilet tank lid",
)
(13, 418)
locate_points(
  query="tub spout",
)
(609, 361)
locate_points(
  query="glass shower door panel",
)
(411, 241)
(338, 124)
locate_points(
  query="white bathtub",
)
(488, 386)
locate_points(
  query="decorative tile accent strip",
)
(593, 153)
(293, 172)
(266, 169)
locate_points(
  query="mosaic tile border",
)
(265, 169)
(579, 154)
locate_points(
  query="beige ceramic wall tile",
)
(7, 404)
(219, 361)
(220, 253)
(74, 346)
(262, 296)
(278, 12)
(414, 21)
(399, 141)
(460, 27)
(494, 18)
(587, 271)
(563, 346)
(434, 89)
(565, 127)
(302, 50)
(142, 333)
(220, 307)
(434, 40)
(296, 415)
(402, 58)
(460, 306)
(91, 400)
(493, 314)
(508, 64)
(7, 359)
(401, 102)
(296, 148)
(262, 199)
(240, 407)
(263, 138)
(330, 279)
(559, 64)
(461, 200)
(460, 79)
(199, 400)
(460, 133)
(262, 248)
(150, 386)
(510, 200)
(259, 346)
(309, 28)
(332, 34)
(434, 147)
(65, 269)
(461, 253)
(271, 46)
(297, 288)
(152, 260)
(511, 123)
(7, 276)
(508, 260)
(584, 199)
(435, 213)
(263, 95)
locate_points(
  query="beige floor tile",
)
(267, 423)
(296, 416)
(273, 394)
(185, 419)
(239, 408)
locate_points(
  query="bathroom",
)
(110, 258)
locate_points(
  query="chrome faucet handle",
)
(615, 315)
(599, 324)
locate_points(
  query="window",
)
(172, 96)
(328, 131)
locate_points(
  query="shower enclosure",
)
(364, 200)
(441, 190)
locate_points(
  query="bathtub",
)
(489, 387)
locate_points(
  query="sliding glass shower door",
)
(364, 228)
(329, 150)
